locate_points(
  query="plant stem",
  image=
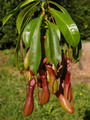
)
(51, 14)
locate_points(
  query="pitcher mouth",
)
(32, 82)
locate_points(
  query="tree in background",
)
(8, 34)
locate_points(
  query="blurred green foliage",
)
(78, 9)
(8, 51)
(8, 33)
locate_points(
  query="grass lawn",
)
(12, 98)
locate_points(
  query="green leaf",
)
(28, 17)
(52, 48)
(57, 30)
(47, 48)
(23, 14)
(35, 49)
(26, 2)
(5, 19)
(28, 32)
(16, 56)
(67, 27)
(60, 7)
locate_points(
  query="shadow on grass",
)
(87, 115)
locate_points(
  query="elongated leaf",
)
(57, 30)
(25, 23)
(5, 19)
(20, 18)
(47, 48)
(16, 56)
(52, 48)
(60, 7)
(67, 27)
(35, 49)
(28, 17)
(28, 32)
(23, 14)
(26, 2)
